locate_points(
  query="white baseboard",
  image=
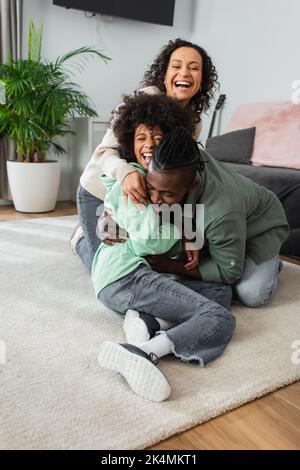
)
(5, 203)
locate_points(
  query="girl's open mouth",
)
(147, 157)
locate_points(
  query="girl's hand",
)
(134, 186)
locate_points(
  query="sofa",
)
(262, 142)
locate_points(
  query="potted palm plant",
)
(39, 98)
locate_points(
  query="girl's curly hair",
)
(151, 110)
(156, 74)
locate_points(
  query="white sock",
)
(160, 345)
(164, 324)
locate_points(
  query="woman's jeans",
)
(203, 323)
(89, 210)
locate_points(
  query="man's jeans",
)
(203, 324)
(258, 282)
(89, 210)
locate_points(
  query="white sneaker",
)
(135, 329)
(75, 237)
(138, 368)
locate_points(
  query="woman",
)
(183, 71)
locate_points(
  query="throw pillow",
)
(234, 147)
(277, 139)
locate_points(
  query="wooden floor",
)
(62, 208)
(271, 422)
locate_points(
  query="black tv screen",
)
(151, 11)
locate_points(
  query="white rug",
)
(53, 394)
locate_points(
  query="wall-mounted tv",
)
(152, 11)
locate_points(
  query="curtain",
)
(10, 43)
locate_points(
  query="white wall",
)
(132, 45)
(255, 45)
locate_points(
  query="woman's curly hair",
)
(155, 76)
(151, 110)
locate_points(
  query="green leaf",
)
(40, 96)
(81, 51)
(35, 35)
(2, 92)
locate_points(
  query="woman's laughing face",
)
(184, 74)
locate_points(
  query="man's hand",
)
(134, 186)
(159, 263)
(193, 259)
(193, 256)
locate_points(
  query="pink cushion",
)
(277, 139)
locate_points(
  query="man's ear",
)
(194, 184)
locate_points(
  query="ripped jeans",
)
(203, 323)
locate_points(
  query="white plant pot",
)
(34, 186)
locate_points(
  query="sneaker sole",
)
(135, 329)
(144, 378)
(71, 242)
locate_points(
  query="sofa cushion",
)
(277, 139)
(236, 146)
(284, 182)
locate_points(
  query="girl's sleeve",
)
(146, 235)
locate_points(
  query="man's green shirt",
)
(241, 219)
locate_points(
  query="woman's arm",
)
(109, 163)
(108, 159)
